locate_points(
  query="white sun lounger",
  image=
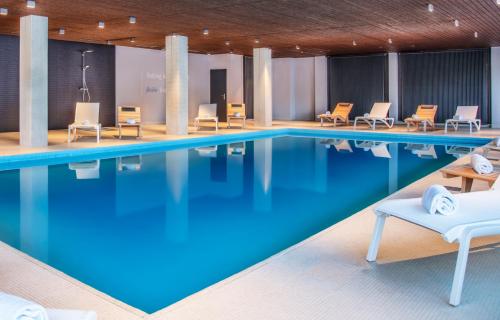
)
(464, 115)
(207, 112)
(478, 215)
(378, 148)
(377, 114)
(86, 170)
(86, 118)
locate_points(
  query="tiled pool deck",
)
(323, 277)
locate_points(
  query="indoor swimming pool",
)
(150, 229)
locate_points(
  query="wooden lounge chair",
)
(425, 115)
(207, 112)
(379, 113)
(478, 215)
(464, 115)
(129, 117)
(339, 114)
(86, 118)
(236, 111)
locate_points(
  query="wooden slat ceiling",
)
(318, 27)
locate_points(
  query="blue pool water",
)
(154, 228)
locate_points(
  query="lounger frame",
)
(378, 114)
(467, 112)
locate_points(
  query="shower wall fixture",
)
(85, 89)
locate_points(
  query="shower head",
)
(86, 51)
(86, 67)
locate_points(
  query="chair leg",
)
(69, 134)
(98, 134)
(470, 127)
(446, 127)
(377, 235)
(321, 121)
(458, 278)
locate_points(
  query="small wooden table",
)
(234, 117)
(130, 125)
(468, 175)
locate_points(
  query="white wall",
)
(495, 87)
(140, 80)
(294, 94)
(320, 85)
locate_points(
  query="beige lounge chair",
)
(378, 148)
(207, 113)
(425, 115)
(464, 115)
(236, 111)
(379, 113)
(86, 118)
(339, 114)
(129, 117)
(424, 151)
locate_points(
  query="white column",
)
(176, 204)
(33, 82)
(393, 167)
(394, 85)
(262, 175)
(495, 87)
(320, 85)
(34, 208)
(176, 84)
(262, 87)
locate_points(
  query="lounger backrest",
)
(233, 108)
(380, 109)
(467, 112)
(129, 113)
(426, 111)
(207, 110)
(87, 112)
(342, 109)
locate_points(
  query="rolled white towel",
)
(480, 164)
(131, 121)
(366, 115)
(55, 314)
(85, 122)
(457, 117)
(438, 200)
(415, 116)
(16, 308)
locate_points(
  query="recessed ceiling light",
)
(109, 42)
(297, 47)
(62, 31)
(132, 40)
(4, 11)
(31, 4)
(100, 25)
(430, 7)
(456, 23)
(208, 53)
(205, 32)
(389, 40)
(132, 20)
(476, 35)
(354, 43)
(227, 42)
(256, 41)
(231, 52)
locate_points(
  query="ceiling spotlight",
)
(101, 25)
(297, 47)
(227, 42)
(354, 43)
(256, 41)
(231, 52)
(476, 35)
(31, 4)
(109, 42)
(389, 40)
(4, 11)
(132, 40)
(205, 32)
(456, 23)
(132, 20)
(430, 7)
(62, 31)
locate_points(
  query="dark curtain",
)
(362, 80)
(448, 79)
(248, 85)
(9, 83)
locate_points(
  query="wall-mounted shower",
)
(85, 67)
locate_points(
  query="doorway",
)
(218, 92)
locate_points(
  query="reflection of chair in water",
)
(378, 148)
(341, 145)
(208, 152)
(236, 149)
(131, 163)
(424, 151)
(458, 151)
(86, 169)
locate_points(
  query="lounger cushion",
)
(475, 209)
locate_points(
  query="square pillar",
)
(33, 82)
(394, 85)
(320, 85)
(176, 84)
(262, 87)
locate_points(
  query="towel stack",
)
(16, 308)
(480, 164)
(457, 117)
(438, 200)
(415, 117)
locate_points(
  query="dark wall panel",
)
(9, 83)
(448, 79)
(65, 80)
(248, 85)
(362, 80)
